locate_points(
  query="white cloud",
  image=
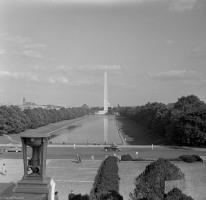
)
(31, 53)
(198, 52)
(39, 67)
(19, 75)
(20, 45)
(100, 67)
(182, 5)
(62, 79)
(175, 75)
(64, 68)
(4, 73)
(50, 80)
(28, 76)
(33, 46)
(83, 82)
(17, 40)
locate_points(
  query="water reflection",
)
(96, 129)
(105, 130)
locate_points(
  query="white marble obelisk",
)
(105, 93)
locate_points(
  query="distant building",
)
(28, 105)
(31, 105)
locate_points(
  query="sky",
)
(57, 51)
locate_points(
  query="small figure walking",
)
(4, 171)
(119, 158)
(92, 157)
(56, 196)
(74, 146)
(77, 158)
(80, 159)
(71, 195)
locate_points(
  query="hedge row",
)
(190, 158)
(106, 183)
(185, 158)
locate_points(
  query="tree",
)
(176, 194)
(189, 102)
(150, 184)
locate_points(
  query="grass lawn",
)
(67, 174)
(196, 172)
(136, 134)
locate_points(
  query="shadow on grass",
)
(7, 190)
(179, 147)
(136, 134)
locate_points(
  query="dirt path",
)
(10, 139)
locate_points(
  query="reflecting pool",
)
(97, 129)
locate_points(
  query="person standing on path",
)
(56, 196)
(80, 159)
(71, 195)
(4, 171)
(77, 158)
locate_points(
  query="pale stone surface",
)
(67, 175)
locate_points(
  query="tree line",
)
(15, 120)
(182, 123)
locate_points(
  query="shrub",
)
(126, 157)
(81, 197)
(150, 184)
(107, 179)
(176, 194)
(188, 158)
(197, 157)
(110, 195)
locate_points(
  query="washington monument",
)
(105, 93)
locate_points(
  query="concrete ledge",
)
(203, 158)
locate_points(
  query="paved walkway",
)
(67, 174)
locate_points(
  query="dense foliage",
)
(81, 197)
(14, 120)
(106, 184)
(176, 194)
(190, 158)
(150, 184)
(126, 157)
(183, 122)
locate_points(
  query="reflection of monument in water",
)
(105, 130)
